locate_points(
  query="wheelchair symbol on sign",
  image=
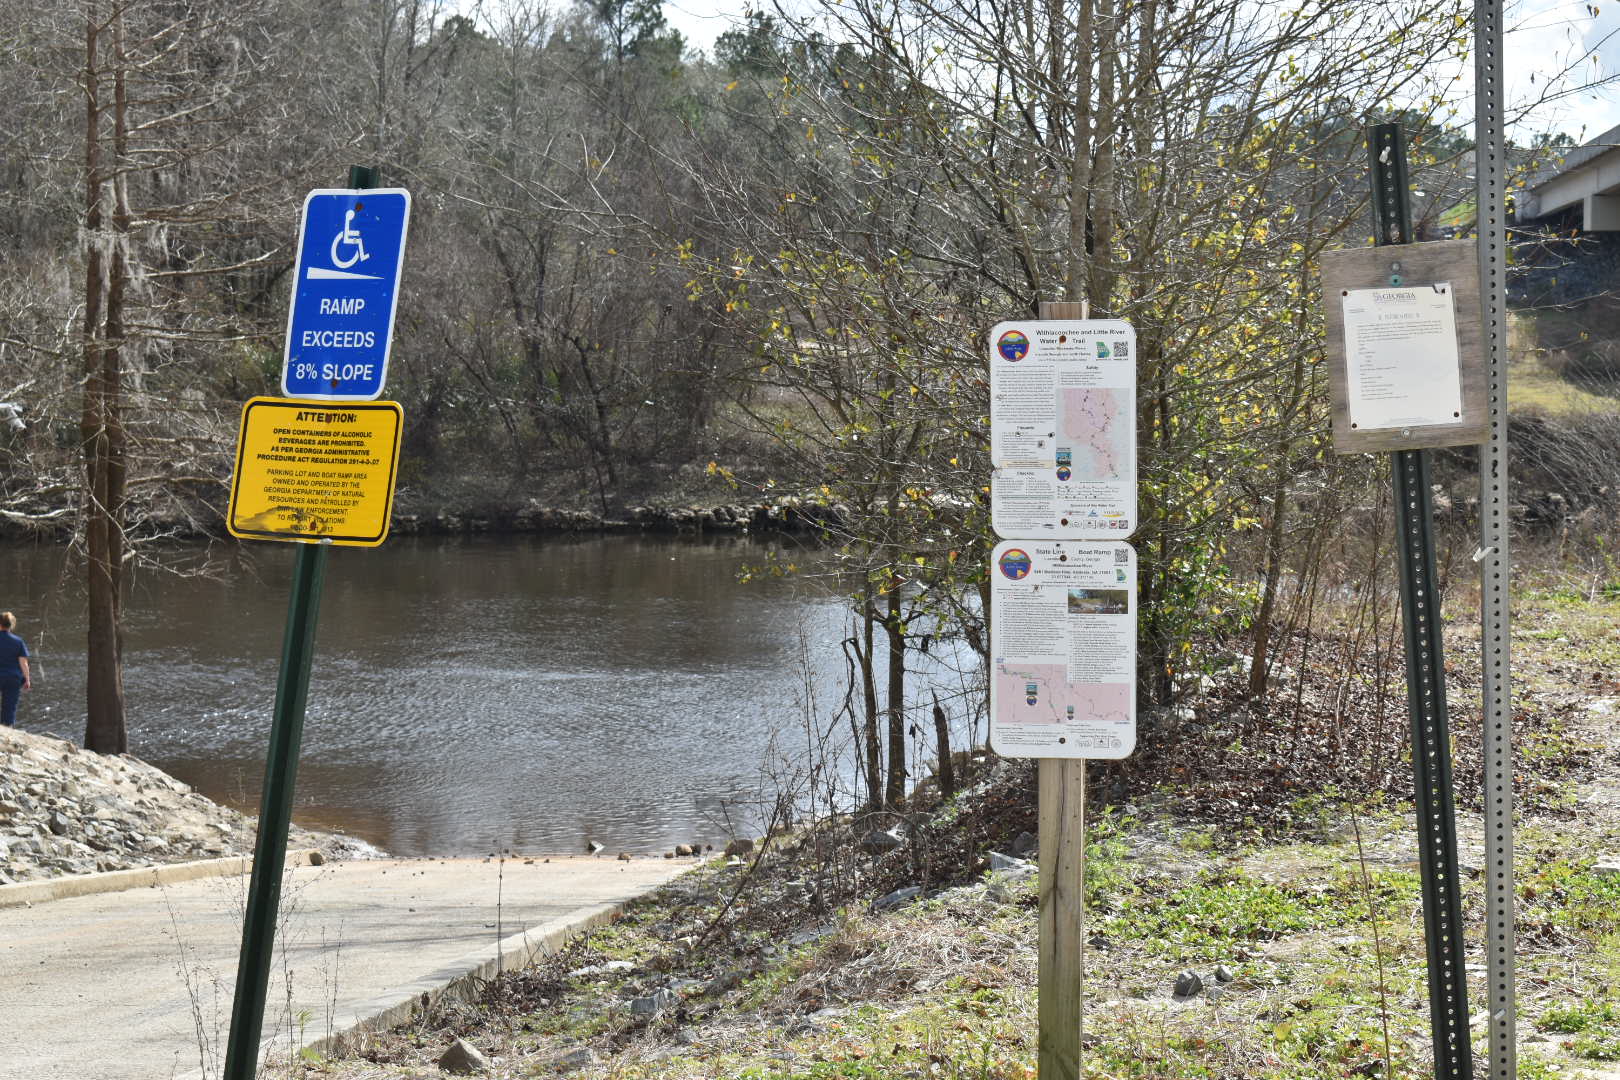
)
(348, 249)
(348, 237)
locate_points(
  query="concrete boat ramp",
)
(137, 984)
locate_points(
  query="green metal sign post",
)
(275, 806)
(275, 813)
(1425, 677)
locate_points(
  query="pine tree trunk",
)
(100, 425)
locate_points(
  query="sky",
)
(1547, 38)
(1558, 43)
(701, 21)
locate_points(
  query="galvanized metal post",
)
(1490, 202)
(1425, 677)
(275, 804)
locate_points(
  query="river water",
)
(471, 695)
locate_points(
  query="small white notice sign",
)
(1401, 357)
(1063, 649)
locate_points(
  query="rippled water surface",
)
(467, 695)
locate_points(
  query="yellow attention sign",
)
(308, 470)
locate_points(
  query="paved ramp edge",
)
(460, 980)
(59, 888)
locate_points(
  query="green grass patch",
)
(1575, 618)
(1109, 870)
(1568, 896)
(1152, 1057)
(1553, 744)
(1597, 600)
(1220, 909)
(1598, 1047)
(1595, 1025)
(857, 1069)
(1543, 344)
(1579, 1017)
(1533, 1066)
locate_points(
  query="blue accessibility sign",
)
(351, 246)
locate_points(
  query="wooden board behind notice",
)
(1454, 261)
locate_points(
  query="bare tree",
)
(101, 426)
(929, 167)
(165, 114)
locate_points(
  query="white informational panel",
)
(1405, 346)
(1063, 429)
(1400, 347)
(1063, 649)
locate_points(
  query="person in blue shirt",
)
(13, 670)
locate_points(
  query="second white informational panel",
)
(1063, 649)
(1063, 429)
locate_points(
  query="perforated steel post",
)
(1497, 705)
(1425, 678)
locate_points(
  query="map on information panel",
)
(1063, 429)
(1097, 428)
(1063, 649)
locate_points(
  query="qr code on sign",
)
(1122, 556)
(1122, 349)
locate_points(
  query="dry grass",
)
(1546, 350)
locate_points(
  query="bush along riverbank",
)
(786, 514)
(64, 811)
(1267, 932)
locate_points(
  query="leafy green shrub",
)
(1222, 908)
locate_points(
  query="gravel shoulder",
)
(64, 810)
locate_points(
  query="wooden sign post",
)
(1063, 605)
(1062, 836)
(1063, 924)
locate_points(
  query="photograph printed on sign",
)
(1063, 429)
(1063, 649)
